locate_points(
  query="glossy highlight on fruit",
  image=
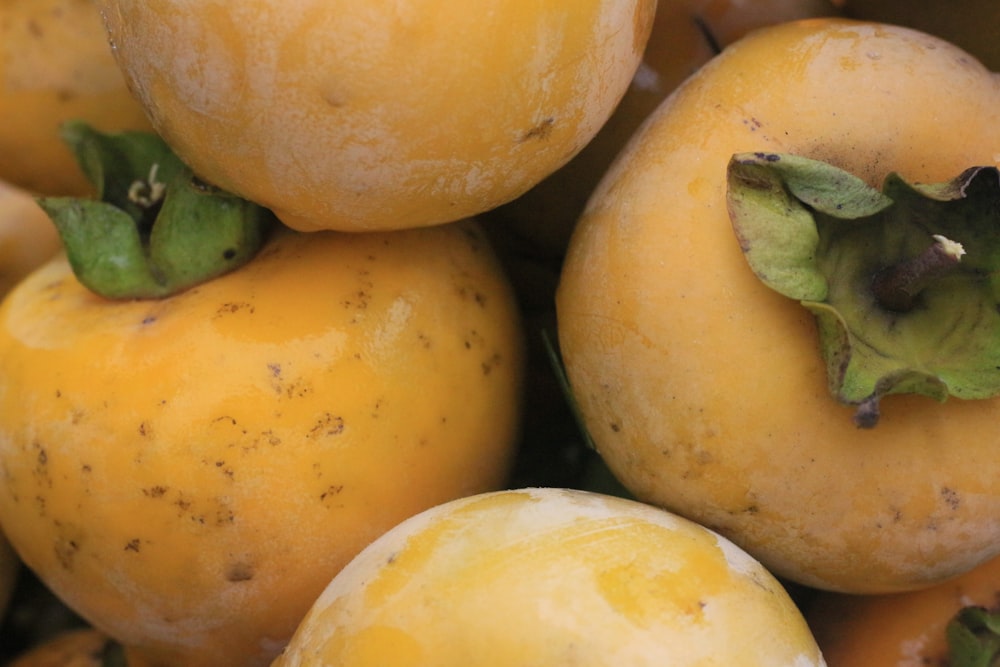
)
(188, 473)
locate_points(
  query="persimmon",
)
(187, 469)
(903, 629)
(704, 387)
(354, 115)
(556, 577)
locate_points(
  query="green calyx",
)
(973, 636)
(902, 282)
(155, 229)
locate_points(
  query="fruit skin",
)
(898, 630)
(55, 65)
(969, 24)
(355, 116)
(677, 47)
(704, 390)
(549, 576)
(28, 238)
(187, 474)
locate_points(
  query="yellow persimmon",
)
(899, 630)
(187, 473)
(705, 390)
(354, 115)
(551, 577)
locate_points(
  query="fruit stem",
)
(897, 287)
(156, 229)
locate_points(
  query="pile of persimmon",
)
(562, 332)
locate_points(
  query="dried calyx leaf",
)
(901, 281)
(155, 229)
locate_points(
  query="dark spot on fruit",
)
(66, 551)
(229, 253)
(331, 491)
(132, 545)
(951, 498)
(540, 131)
(239, 572)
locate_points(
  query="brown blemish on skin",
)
(66, 551)
(133, 545)
(327, 425)
(951, 498)
(239, 572)
(491, 363)
(232, 307)
(331, 490)
(540, 131)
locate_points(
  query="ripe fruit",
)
(551, 577)
(359, 116)
(704, 390)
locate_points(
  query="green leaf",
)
(974, 638)
(899, 309)
(156, 229)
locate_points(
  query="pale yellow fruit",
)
(551, 577)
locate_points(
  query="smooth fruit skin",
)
(551, 577)
(55, 65)
(355, 115)
(704, 390)
(188, 474)
(28, 238)
(900, 630)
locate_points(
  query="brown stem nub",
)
(897, 287)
